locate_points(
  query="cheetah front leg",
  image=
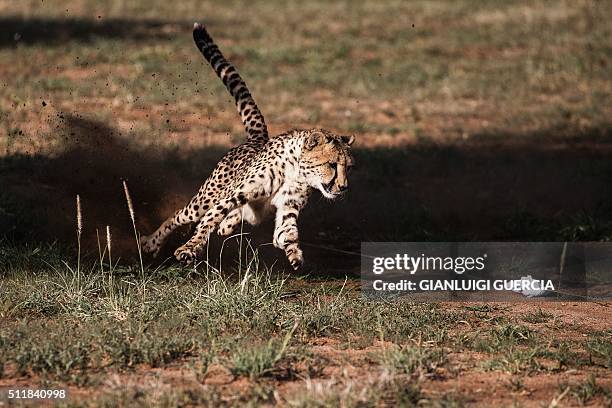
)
(286, 235)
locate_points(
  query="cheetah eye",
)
(333, 165)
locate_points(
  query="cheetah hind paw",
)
(148, 247)
(186, 256)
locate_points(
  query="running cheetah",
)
(258, 177)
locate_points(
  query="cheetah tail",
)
(249, 112)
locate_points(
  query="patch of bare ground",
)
(568, 320)
(352, 371)
(502, 389)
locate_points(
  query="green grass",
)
(584, 392)
(503, 336)
(515, 361)
(257, 360)
(600, 349)
(414, 360)
(262, 327)
(538, 316)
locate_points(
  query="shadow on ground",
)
(504, 187)
(15, 30)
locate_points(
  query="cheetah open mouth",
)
(326, 189)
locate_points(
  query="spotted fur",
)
(260, 176)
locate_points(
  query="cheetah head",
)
(326, 161)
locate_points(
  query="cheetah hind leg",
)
(187, 252)
(230, 222)
(252, 213)
(152, 244)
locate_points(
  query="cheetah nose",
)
(343, 187)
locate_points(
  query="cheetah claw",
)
(185, 256)
(297, 263)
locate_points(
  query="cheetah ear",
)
(348, 139)
(314, 139)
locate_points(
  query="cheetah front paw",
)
(185, 255)
(295, 257)
(149, 245)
